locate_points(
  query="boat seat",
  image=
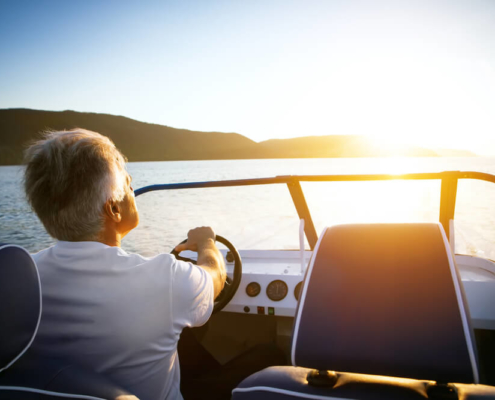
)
(23, 374)
(382, 315)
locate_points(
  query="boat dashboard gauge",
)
(253, 289)
(297, 290)
(277, 290)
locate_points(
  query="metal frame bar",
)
(302, 209)
(448, 195)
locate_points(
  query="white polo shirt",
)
(120, 314)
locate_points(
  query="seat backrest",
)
(385, 299)
(20, 303)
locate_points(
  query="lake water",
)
(263, 217)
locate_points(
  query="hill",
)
(141, 141)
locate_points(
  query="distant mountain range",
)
(141, 141)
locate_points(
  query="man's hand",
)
(202, 240)
(197, 238)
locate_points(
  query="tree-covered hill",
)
(141, 141)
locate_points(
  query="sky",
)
(420, 72)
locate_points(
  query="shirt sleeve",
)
(192, 295)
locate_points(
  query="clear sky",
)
(415, 71)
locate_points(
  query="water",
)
(263, 217)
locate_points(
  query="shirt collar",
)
(80, 245)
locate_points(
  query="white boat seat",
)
(378, 301)
(24, 375)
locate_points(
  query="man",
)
(117, 313)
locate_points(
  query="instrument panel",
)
(262, 267)
(275, 291)
(271, 282)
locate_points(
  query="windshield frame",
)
(449, 180)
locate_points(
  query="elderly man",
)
(120, 314)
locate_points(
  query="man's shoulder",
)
(42, 253)
(90, 255)
(159, 260)
(120, 259)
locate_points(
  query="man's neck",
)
(110, 237)
(112, 242)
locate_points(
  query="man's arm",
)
(202, 240)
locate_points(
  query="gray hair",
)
(68, 178)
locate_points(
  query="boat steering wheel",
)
(231, 285)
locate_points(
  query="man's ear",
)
(112, 210)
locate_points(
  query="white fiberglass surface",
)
(263, 217)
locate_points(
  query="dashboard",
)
(272, 279)
(271, 282)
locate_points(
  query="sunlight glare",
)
(373, 202)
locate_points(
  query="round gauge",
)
(297, 290)
(253, 289)
(277, 290)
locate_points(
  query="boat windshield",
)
(265, 213)
(251, 217)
